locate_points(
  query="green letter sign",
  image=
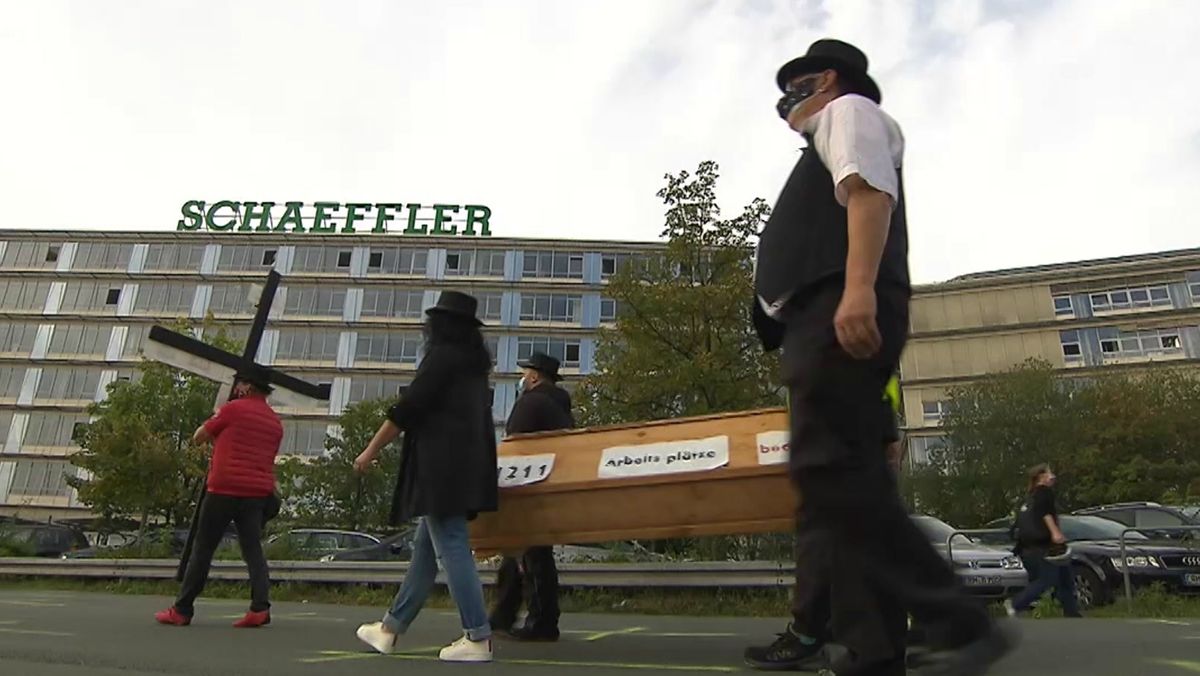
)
(438, 220)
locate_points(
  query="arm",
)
(1056, 535)
(387, 433)
(202, 435)
(208, 432)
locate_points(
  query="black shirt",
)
(1031, 523)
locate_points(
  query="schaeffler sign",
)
(327, 218)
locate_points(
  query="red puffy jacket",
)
(247, 433)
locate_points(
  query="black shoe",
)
(534, 634)
(973, 658)
(787, 653)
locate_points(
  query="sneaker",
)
(378, 637)
(1009, 609)
(172, 616)
(534, 635)
(466, 650)
(974, 658)
(254, 619)
(787, 653)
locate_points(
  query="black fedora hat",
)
(542, 363)
(458, 304)
(843, 57)
(256, 376)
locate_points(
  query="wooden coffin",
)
(711, 475)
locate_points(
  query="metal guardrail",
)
(1125, 554)
(676, 574)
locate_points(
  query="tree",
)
(1109, 436)
(683, 342)
(328, 491)
(137, 450)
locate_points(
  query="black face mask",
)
(794, 97)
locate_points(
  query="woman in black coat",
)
(447, 475)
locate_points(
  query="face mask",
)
(794, 97)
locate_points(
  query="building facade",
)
(76, 307)
(1131, 312)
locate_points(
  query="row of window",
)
(312, 259)
(1127, 298)
(300, 301)
(1115, 343)
(41, 478)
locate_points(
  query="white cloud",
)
(1036, 132)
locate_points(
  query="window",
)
(1071, 347)
(401, 261)
(375, 260)
(11, 378)
(17, 338)
(164, 298)
(1193, 280)
(41, 478)
(475, 263)
(23, 295)
(268, 257)
(553, 264)
(1062, 307)
(27, 255)
(112, 297)
(343, 259)
(388, 348)
(73, 340)
(1133, 344)
(933, 411)
(231, 299)
(608, 309)
(308, 345)
(52, 428)
(236, 258)
(1154, 518)
(68, 383)
(921, 448)
(368, 388)
(1131, 298)
(314, 301)
(303, 437)
(489, 305)
(102, 256)
(318, 259)
(493, 346)
(174, 256)
(611, 264)
(52, 254)
(565, 350)
(386, 302)
(551, 307)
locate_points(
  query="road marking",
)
(33, 604)
(693, 634)
(33, 632)
(334, 655)
(341, 655)
(291, 616)
(616, 632)
(1173, 623)
(596, 634)
(1186, 665)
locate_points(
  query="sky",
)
(1036, 131)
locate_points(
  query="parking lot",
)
(81, 634)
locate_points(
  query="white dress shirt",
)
(852, 135)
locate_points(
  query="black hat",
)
(543, 364)
(456, 303)
(256, 376)
(848, 60)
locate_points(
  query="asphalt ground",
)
(76, 633)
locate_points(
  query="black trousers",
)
(216, 513)
(537, 586)
(859, 556)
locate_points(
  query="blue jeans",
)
(442, 539)
(1044, 575)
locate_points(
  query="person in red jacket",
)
(245, 434)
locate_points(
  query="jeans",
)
(444, 539)
(215, 514)
(1044, 575)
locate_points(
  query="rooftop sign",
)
(327, 218)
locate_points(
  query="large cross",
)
(191, 355)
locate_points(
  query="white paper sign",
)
(671, 457)
(774, 447)
(522, 470)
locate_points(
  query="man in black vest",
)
(542, 406)
(832, 289)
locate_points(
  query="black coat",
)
(541, 409)
(448, 466)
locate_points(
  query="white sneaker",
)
(1008, 608)
(376, 636)
(466, 650)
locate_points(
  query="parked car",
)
(43, 539)
(985, 571)
(1190, 511)
(176, 539)
(1096, 559)
(320, 542)
(1145, 515)
(396, 547)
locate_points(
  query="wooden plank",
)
(574, 504)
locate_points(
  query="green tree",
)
(683, 343)
(329, 492)
(137, 450)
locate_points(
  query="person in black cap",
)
(542, 406)
(832, 289)
(447, 476)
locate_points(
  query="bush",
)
(11, 546)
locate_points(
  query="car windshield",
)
(1094, 528)
(936, 530)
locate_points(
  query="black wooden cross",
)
(191, 355)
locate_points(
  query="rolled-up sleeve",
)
(426, 389)
(854, 136)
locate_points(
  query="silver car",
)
(985, 571)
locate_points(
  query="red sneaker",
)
(253, 619)
(172, 616)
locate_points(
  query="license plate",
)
(1192, 579)
(982, 580)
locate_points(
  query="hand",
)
(1058, 539)
(364, 462)
(855, 324)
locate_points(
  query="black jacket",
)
(541, 409)
(448, 466)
